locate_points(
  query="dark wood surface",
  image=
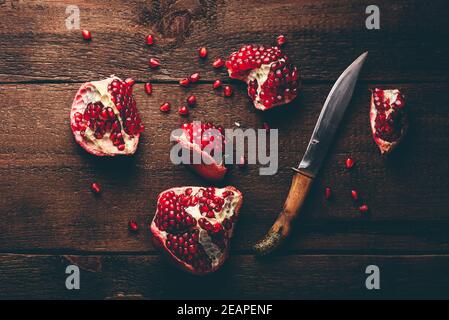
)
(49, 218)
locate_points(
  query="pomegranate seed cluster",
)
(175, 217)
(390, 117)
(272, 79)
(205, 133)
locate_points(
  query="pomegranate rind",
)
(159, 239)
(211, 171)
(384, 146)
(79, 105)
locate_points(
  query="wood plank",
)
(46, 203)
(288, 277)
(323, 38)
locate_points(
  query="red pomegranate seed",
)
(218, 63)
(202, 52)
(148, 88)
(184, 82)
(191, 101)
(165, 107)
(130, 82)
(364, 208)
(227, 91)
(95, 187)
(150, 39)
(354, 195)
(280, 40)
(86, 35)
(154, 63)
(194, 77)
(133, 226)
(217, 84)
(349, 163)
(327, 193)
(183, 111)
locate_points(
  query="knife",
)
(322, 136)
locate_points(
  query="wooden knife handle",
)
(299, 189)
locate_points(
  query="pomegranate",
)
(95, 187)
(133, 226)
(388, 118)
(349, 163)
(216, 84)
(196, 137)
(272, 80)
(193, 225)
(149, 39)
(165, 107)
(154, 63)
(104, 117)
(363, 208)
(202, 52)
(194, 77)
(327, 193)
(86, 35)
(183, 111)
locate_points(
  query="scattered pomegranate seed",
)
(202, 52)
(280, 40)
(191, 101)
(349, 163)
(133, 226)
(218, 63)
(217, 84)
(165, 107)
(148, 88)
(194, 77)
(354, 195)
(242, 162)
(184, 82)
(95, 187)
(87, 35)
(364, 208)
(227, 91)
(130, 82)
(266, 126)
(183, 111)
(150, 39)
(327, 193)
(154, 63)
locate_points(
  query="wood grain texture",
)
(242, 277)
(323, 38)
(48, 205)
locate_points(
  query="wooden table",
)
(50, 219)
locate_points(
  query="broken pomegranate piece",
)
(388, 118)
(208, 142)
(104, 117)
(272, 80)
(193, 226)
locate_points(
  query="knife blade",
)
(330, 117)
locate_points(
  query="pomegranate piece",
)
(363, 208)
(218, 63)
(195, 138)
(86, 35)
(202, 52)
(193, 226)
(165, 107)
(272, 80)
(354, 195)
(149, 39)
(184, 82)
(104, 117)
(227, 91)
(389, 121)
(280, 40)
(216, 84)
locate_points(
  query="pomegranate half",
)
(272, 80)
(193, 226)
(388, 118)
(198, 138)
(104, 117)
